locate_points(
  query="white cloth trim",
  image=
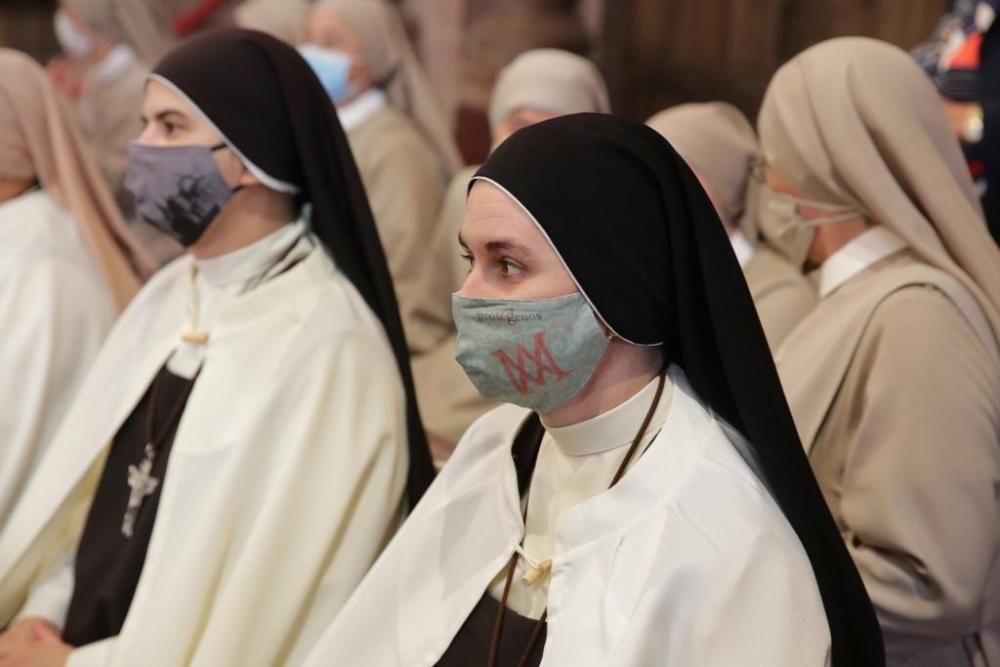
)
(361, 108)
(859, 254)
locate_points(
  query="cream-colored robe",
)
(56, 311)
(284, 482)
(782, 295)
(904, 437)
(404, 183)
(686, 562)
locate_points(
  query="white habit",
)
(56, 311)
(284, 482)
(686, 562)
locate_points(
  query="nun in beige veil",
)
(721, 146)
(400, 140)
(894, 378)
(68, 264)
(537, 85)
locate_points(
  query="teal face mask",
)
(536, 354)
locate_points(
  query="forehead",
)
(324, 23)
(159, 98)
(491, 213)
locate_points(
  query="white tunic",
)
(686, 562)
(575, 463)
(284, 482)
(56, 311)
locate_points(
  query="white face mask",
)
(74, 43)
(787, 230)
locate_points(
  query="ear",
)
(247, 179)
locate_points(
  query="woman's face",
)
(509, 257)
(326, 29)
(518, 118)
(170, 120)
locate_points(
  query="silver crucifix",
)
(142, 484)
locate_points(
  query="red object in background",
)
(978, 169)
(967, 55)
(196, 17)
(472, 131)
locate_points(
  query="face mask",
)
(536, 354)
(787, 231)
(332, 68)
(74, 43)
(177, 189)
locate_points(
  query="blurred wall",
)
(656, 53)
(26, 25)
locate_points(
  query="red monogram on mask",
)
(541, 358)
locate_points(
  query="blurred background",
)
(653, 53)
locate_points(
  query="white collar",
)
(248, 263)
(616, 427)
(361, 108)
(859, 254)
(113, 64)
(742, 247)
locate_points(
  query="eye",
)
(467, 256)
(509, 268)
(170, 128)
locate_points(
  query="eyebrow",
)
(501, 245)
(498, 245)
(162, 115)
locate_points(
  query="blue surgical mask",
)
(536, 354)
(332, 68)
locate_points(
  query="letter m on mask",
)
(540, 359)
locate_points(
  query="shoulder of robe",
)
(731, 512)
(44, 242)
(393, 140)
(495, 429)
(921, 320)
(333, 308)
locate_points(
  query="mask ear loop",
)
(218, 147)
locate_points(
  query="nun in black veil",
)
(643, 498)
(248, 439)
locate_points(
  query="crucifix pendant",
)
(142, 484)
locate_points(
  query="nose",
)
(477, 284)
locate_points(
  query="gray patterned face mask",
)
(177, 189)
(536, 354)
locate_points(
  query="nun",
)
(720, 146)
(894, 378)
(641, 498)
(400, 138)
(537, 85)
(68, 266)
(247, 439)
